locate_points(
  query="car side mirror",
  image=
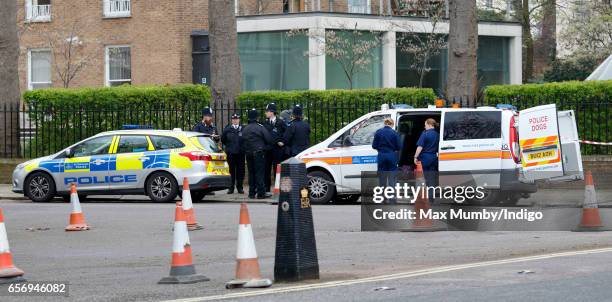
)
(68, 153)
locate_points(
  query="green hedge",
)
(590, 100)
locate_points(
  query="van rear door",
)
(549, 144)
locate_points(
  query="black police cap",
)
(235, 115)
(297, 110)
(207, 111)
(271, 107)
(253, 114)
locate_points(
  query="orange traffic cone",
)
(181, 267)
(277, 180)
(422, 223)
(247, 263)
(192, 224)
(77, 220)
(9, 273)
(591, 221)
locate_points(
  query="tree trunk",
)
(527, 42)
(462, 77)
(224, 61)
(9, 79)
(545, 47)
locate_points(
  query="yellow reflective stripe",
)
(113, 146)
(150, 148)
(71, 164)
(179, 162)
(129, 161)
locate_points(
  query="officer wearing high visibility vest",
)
(387, 143)
(256, 141)
(297, 135)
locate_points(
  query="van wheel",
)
(161, 187)
(39, 187)
(491, 197)
(321, 189)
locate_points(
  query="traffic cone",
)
(9, 273)
(181, 267)
(421, 206)
(277, 180)
(77, 220)
(192, 224)
(247, 263)
(591, 221)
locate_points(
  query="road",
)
(128, 251)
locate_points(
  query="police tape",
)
(594, 143)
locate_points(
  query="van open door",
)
(549, 144)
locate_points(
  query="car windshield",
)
(208, 144)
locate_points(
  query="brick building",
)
(111, 42)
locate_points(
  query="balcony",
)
(38, 13)
(117, 8)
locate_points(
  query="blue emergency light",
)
(135, 127)
(401, 106)
(506, 106)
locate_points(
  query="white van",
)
(509, 149)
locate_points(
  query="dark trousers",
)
(387, 170)
(273, 158)
(236, 170)
(256, 164)
(429, 162)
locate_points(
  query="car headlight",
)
(21, 166)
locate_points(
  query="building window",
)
(359, 6)
(38, 10)
(39, 68)
(117, 8)
(118, 65)
(367, 72)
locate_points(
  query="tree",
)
(224, 61)
(422, 46)
(545, 46)
(588, 30)
(9, 77)
(351, 48)
(462, 77)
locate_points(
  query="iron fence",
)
(32, 131)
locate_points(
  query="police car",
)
(137, 161)
(499, 148)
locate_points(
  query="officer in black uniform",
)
(206, 125)
(256, 141)
(276, 153)
(232, 143)
(297, 135)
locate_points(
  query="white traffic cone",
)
(77, 220)
(9, 273)
(192, 224)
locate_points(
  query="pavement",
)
(129, 247)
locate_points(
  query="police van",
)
(501, 149)
(124, 162)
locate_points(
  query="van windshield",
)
(207, 143)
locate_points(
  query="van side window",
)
(363, 133)
(472, 125)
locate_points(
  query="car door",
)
(359, 156)
(130, 155)
(88, 165)
(470, 147)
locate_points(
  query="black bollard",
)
(296, 249)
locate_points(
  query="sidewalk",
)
(220, 196)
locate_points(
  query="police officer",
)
(387, 143)
(232, 142)
(427, 153)
(206, 125)
(297, 135)
(276, 153)
(256, 141)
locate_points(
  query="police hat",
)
(297, 110)
(235, 115)
(271, 107)
(207, 111)
(253, 114)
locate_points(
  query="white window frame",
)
(30, 83)
(368, 9)
(29, 7)
(118, 14)
(107, 80)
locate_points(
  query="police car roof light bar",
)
(135, 127)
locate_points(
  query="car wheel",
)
(347, 198)
(39, 187)
(491, 197)
(161, 187)
(321, 189)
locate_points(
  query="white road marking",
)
(428, 271)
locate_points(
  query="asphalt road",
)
(128, 251)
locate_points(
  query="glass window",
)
(118, 65)
(359, 6)
(407, 72)
(273, 61)
(132, 143)
(363, 132)
(207, 143)
(472, 125)
(40, 69)
(369, 75)
(95, 146)
(493, 60)
(166, 142)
